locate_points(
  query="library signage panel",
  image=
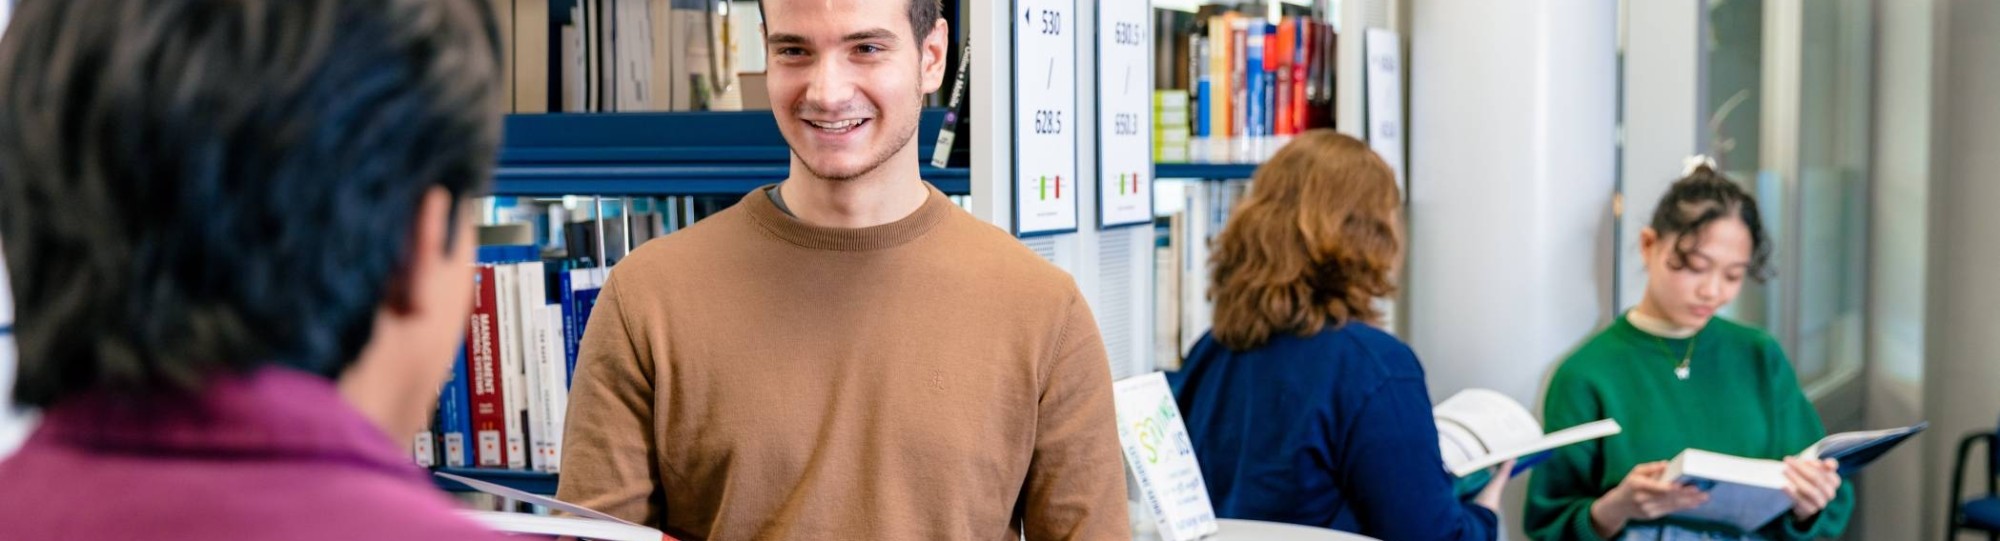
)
(1124, 113)
(1045, 173)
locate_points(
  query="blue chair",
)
(1983, 514)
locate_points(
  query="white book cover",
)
(554, 393)
(532, 294)
(1480, 428)
(1161, 458)
(584, 522)
(507, 284)
(1745, 493)
(561, 527)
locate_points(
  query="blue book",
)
(454, 416)
(1201, 101)
(579, 296)
(1253, 84)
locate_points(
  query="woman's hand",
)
(1642, 496)
(1489, 497)
(1811, 484)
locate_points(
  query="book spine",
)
(531, 69)
(1303, 44)
(955, 109)
(1199, 49)
(1220, 92)
(533, 291)
(452, 416)
(586, 300)
(572, 328)
(555, 395)
(488, 395)
(510, 365)
(1254, 75)
(1239, 80)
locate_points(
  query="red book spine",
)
(482, 355)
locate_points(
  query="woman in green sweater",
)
(1677, 377)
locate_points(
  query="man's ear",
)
(934, 46)
(426, 252)
(1649, 239)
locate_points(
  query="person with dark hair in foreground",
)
(240, 240)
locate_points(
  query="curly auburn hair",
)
(1315, 242)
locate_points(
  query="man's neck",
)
(881, 197)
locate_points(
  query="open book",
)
(586, 523)
(1479, 429)
(1747, 493)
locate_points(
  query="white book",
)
(532, 291)
(575, 65)
(584, 522)
(554, 393)
(1161, 458)
(507, 284)
(1480, 428)
(1748, 493)
(562, 527)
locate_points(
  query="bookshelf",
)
(1204, 171)
(664, 154)
(679, 154)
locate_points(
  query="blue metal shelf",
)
(526, 481)
(661, 154)
(1204, 171)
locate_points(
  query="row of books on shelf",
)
(505, 401)
(1250, 82)
(617, 55)
(539, 274)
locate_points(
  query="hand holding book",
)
(1644, 495)
(1811, 484)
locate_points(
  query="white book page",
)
(1568, 436)
(1731, 468)
(532, 499)
(1498, 421)
(597, 530)
(1841, 442)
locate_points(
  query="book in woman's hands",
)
(1856, 450)
(1479, 429)
(1747, 493)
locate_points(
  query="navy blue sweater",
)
(1332, 430)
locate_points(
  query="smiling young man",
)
(847, 354)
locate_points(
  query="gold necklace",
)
(1681, 370)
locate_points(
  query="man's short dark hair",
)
(190, 188)
(923, 16)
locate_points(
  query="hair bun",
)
(1699, 163)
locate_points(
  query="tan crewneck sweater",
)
(755, 377)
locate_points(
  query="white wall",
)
(1512, 171)
(1510, 193)
(1893, 489)
(1663, 119)
(1961, 377)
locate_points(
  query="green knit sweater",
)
(1742, 398)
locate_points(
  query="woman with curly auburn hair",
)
(1301, 409)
